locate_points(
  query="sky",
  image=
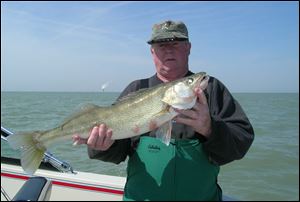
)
(79, 46)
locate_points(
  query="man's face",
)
(171, 58)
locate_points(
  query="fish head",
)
(198, 80)
(181, 94)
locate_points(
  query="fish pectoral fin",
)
(164, 132)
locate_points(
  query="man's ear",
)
(189, 46)
(151, 50)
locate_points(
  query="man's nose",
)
(169, 48)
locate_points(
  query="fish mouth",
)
(203, 82)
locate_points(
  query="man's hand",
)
(198, 117)
(99, 138)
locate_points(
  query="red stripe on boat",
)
(66, 184)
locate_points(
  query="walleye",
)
(140, 112)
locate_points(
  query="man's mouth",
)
(170, 59)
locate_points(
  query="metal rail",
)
(48, 157)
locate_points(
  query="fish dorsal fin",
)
(88, 106)
(132, 94)
(82, 109)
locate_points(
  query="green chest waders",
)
(180, 171)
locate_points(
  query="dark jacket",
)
(231, 137)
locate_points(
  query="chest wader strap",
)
(144, 83)
(180, 171)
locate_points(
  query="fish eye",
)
(190, 80)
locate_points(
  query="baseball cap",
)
(168, 31)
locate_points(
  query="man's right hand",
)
(99, 138)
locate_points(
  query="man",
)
(214, 132)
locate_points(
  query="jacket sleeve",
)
(120, 148)
(232, 133)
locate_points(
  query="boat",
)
(55, 180)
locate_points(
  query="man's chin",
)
(169, 69)
(170, 73)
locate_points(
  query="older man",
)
(214, 132)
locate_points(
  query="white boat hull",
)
(81, 186)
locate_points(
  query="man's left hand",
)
(197, 117)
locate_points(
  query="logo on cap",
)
(166, 25)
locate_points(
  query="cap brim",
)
(167, 40)
(171, 36)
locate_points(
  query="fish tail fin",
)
(32, 150)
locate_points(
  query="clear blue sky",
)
(78, 46)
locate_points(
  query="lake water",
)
(269, 171)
